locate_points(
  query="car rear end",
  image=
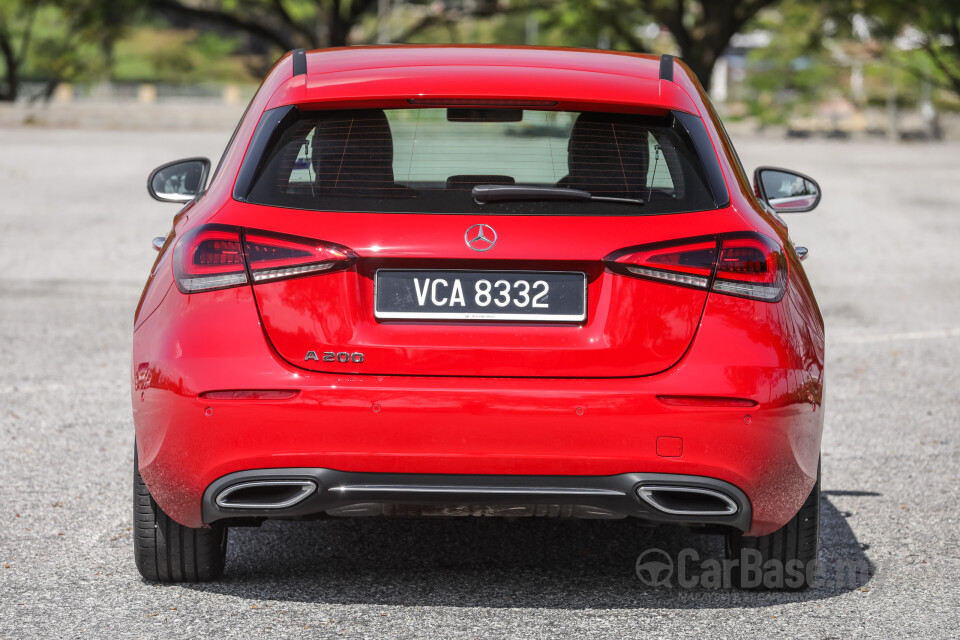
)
(381, 308)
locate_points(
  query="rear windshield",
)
(429, 160)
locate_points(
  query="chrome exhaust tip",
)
(687, 501)
(266, 494)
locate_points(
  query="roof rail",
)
(666, 67)
(299, 62)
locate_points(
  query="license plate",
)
(534, 296)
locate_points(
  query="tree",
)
(16, 19)
(58, 41)
(700, 29)
(932, 26)
(311, 24)
(797, 68)
(287, 24)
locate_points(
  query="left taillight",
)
(277, 257)
(213, 257)
(209, 257)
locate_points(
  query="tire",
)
(791, 551)
(167, 551)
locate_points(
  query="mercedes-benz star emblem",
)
(480, 237)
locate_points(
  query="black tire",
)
(792, 548)
(167, 551)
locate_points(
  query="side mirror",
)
(179, 181)
(786, 191)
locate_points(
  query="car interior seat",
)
(352, 153)
(607, 155)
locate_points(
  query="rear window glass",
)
(429, 160)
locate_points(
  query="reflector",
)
(250, 394)
(705, 401)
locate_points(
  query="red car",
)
(485, 281)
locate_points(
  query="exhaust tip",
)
(266, 494)
(688, 501)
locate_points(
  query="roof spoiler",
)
(300, 62)
(666, 67)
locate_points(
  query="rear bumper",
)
(468, 426)
(299, 492)
(481, 427)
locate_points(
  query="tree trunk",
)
(701, 61)
(703, 41)
(338, 29)
(9, 93)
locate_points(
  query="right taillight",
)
(752, 266)
(688, 263)
(747, 265)
(214, 256)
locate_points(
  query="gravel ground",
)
(75, 231)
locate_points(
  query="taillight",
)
(752, 266)
(747, 265)
(687, 263)
(275, 257)
(207, 258)
(215, 256)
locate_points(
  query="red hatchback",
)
(485, 281)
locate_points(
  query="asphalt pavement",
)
(75, 231)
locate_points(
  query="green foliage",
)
(64, 40)
(178, 56)
(795, 70)
(921, 37)
(592, 23)
(188, 41)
